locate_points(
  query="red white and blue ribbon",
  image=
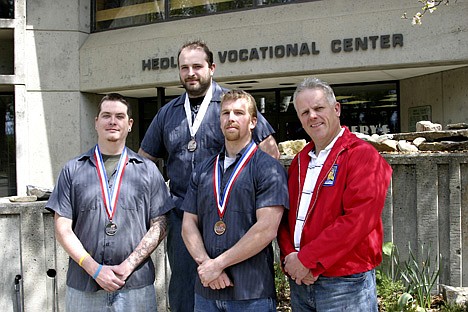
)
(223, 197)
(110, 196)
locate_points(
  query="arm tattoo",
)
(150, 241)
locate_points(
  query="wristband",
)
(97, 271)
(82, 258)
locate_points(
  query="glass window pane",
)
(370, 108)
(7, 9)
(187, 8)
(117, 14)
(7, 146)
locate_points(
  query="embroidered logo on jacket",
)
(331, 177)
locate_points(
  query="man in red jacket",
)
(331, 239)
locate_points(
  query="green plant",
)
(405, 285)
(454, 308)
(420, 277)
(388, 291)
(282, 288)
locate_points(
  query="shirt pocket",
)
(212, 136)
(134, 202)
(242, 198)
(176, 137)
(87, 196)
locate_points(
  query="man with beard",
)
(186, 131)
(232, 210)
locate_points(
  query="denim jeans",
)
(133, 300)
(352, 293)
(255, 305)
(183, 267)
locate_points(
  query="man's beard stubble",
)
(197, 90)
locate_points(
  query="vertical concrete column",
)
(456, 251)
(426, 210)
(33, 260)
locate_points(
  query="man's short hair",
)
(118, 98)
(198, 45)
(315, 83)
(234, 95)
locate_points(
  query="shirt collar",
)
(217, 91)
(132, 156)
(238, 155)
(329, 146)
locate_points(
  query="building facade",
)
(57, 59)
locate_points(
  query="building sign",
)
(418, 113)
(346, 45)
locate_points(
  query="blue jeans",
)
(255, 305)
(352, 293)
(183, 267)
(133, 300)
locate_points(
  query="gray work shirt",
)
(78, 196)
(168, 136)
(262, 183)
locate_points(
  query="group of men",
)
(228, 199)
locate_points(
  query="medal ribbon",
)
(201, 113)
(222, 198)
(110, 197)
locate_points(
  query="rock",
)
(390, 145)
(454, 295)
(418, 141)
(291, 147)
(432, 136)
(461, 125)
(22, 199)
(444, 146)
(427, 126)
(385, 137)
(42, 193)
(405, 146)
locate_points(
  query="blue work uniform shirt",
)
(168, 136)
(262, 183)
(78, 196)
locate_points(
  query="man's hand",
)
(123, 270)
(309, 279)
(221, 282)
(294, 267)
(209, 271)
(108, 280)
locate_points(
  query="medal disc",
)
(111, 229)
(220, 227)
(192, 145)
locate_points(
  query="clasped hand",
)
(213, 276)
(112, 278)
(297, 271)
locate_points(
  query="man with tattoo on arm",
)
(110, 205)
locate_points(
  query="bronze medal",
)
(111, 228)
(192, 145)
(220, 227)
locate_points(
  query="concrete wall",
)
(426, 206)
(49, 109)
(445, 92)
(59, 68)
(112, 59)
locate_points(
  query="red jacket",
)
(343, 233)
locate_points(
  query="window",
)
(7, 9)
(7, 146)
(112, 14)
(367, 108)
